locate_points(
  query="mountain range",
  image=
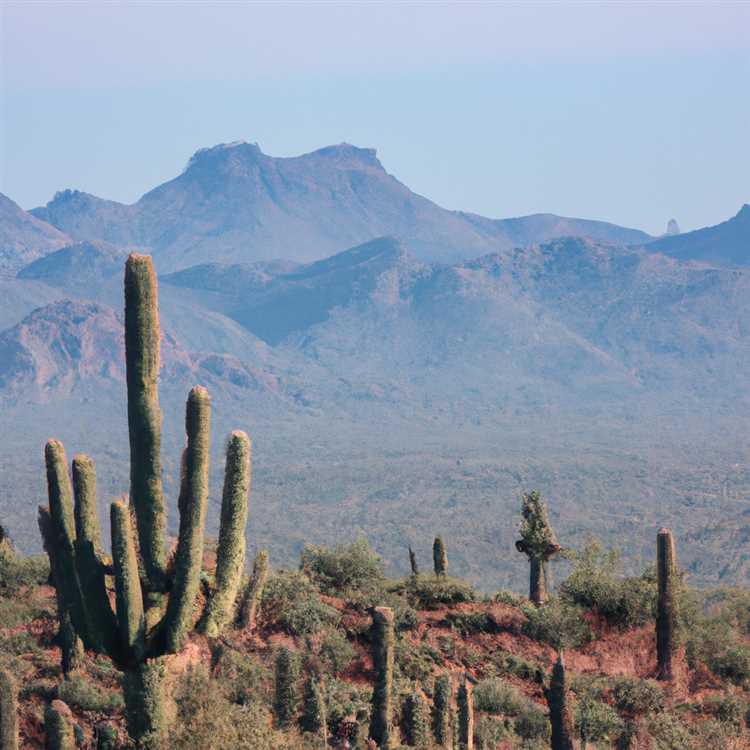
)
(403, 369)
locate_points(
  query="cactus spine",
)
(253, 593)
(538, 543)
(381, 729)
(441, 707)
(466, 716)
(144, 628)
(8, 711)
(439, 557)
(560, 713)
(666, 618)
(231, 549)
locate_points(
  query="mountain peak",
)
(222, 152)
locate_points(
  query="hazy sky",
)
(632, 112)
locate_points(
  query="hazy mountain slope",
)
(727, 243)
(235, 204)
(24, 237)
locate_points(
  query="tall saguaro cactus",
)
(441, 708)
(8, 711)
(439, 557)
(465, 701)
(154, 607)
(538, 543)
(666, 617)
(561, 716)
(383, 639)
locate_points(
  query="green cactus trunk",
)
(253, 593)
(538, 593)
(286, 698)
(416, 721)
(441, 708)
(146, 704)
(314, 714)
(381, 728)
(560, 713)
(666, 618)
(439, 557)
(231, 549)
(144, 416)
(466, 716)
(8, 711)
(58, 727)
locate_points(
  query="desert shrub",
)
(415, 661)
(79, 692)
(489, 732)
(635, 697)
(292, 602)
(713, 735)
(594, 584)
(432, 592)
(532, 723)
(336, 652)
(731, 663)
(494, 696)
(669, 733)
(596, 721)
(18, 572)
(727, 709)
(344, 569)
(344, 700)
(510, 598)
(471, 622)
(242, 679)
(207, 720)
(18, 643)
(557, 623)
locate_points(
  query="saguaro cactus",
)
(561, 716)
(381, 728)
(466, 716)
(413, 562)
(439, 557)
(144, 628)
(538, 543)
(253, 593)
(8, 711)
(285, 700)
(314, 713)
(416, 723)
(441, 708)
(666, 617)
(58, 726)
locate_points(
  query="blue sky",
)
(628, 112)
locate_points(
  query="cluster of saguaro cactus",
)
(538, 543)
(155, 602)
(560, 714)
(8, 711)
(666, 616)
(439, 557)
(383, 642)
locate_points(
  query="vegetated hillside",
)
(726, 244)
(389, 396)
(308, 655)
(235, 204)
(23, 237)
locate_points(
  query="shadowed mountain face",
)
(23, 237)
(235, 204)
(726, 244)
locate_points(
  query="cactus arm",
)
(144, 415)
(253, 593)
(127, 583)
(84, 487)
(231, 551)
(58, 726)
(193, 498)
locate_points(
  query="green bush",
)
(242, 679)
(732, 663)
(510, 598)
(78, 692)
(594, 584)
(727, 709)
(557, 623)
(532, 723)
(433, 592)
(670, 733)
(489, 732)
(494, 696)
(336, 652)
(415, 661)
(18, 572)
(344, 569)
(291, 601)
(635, 697)
(596, 721)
